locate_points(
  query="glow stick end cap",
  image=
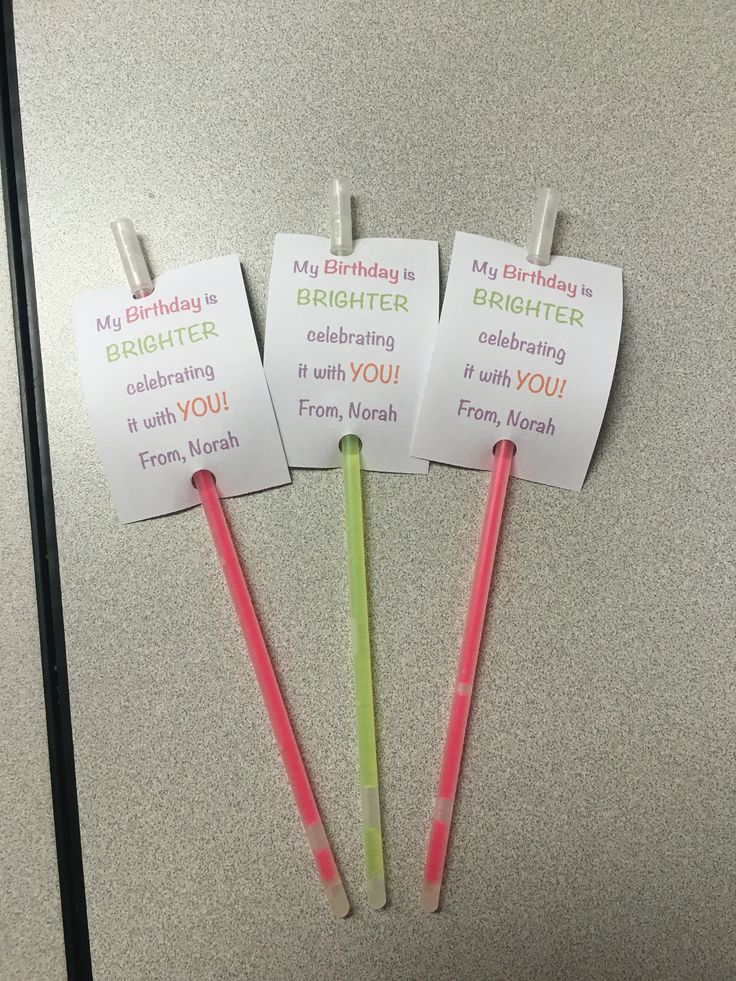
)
(338, 900)
(376, 892)
(429, 897)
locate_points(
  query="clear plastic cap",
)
(341, 219)
(543, 226)
(134, 264)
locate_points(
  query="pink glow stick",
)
(439, 833)
(285, 738)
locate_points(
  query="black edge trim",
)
(42, 517)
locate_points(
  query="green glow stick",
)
(366, 729)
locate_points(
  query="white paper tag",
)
(348, 341)
(174, 384)
(525, 353)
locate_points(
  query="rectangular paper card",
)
(348, 341)
(174, 384)
(525, 353)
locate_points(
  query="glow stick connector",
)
(341, 219)
(543, 226)
(134, 264)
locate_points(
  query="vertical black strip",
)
(43, 522)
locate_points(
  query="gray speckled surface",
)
(31, 938)
(594, 830)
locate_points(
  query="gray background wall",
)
(594, 829)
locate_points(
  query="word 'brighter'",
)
(151, 343)
(352, 299)
(526, 307)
